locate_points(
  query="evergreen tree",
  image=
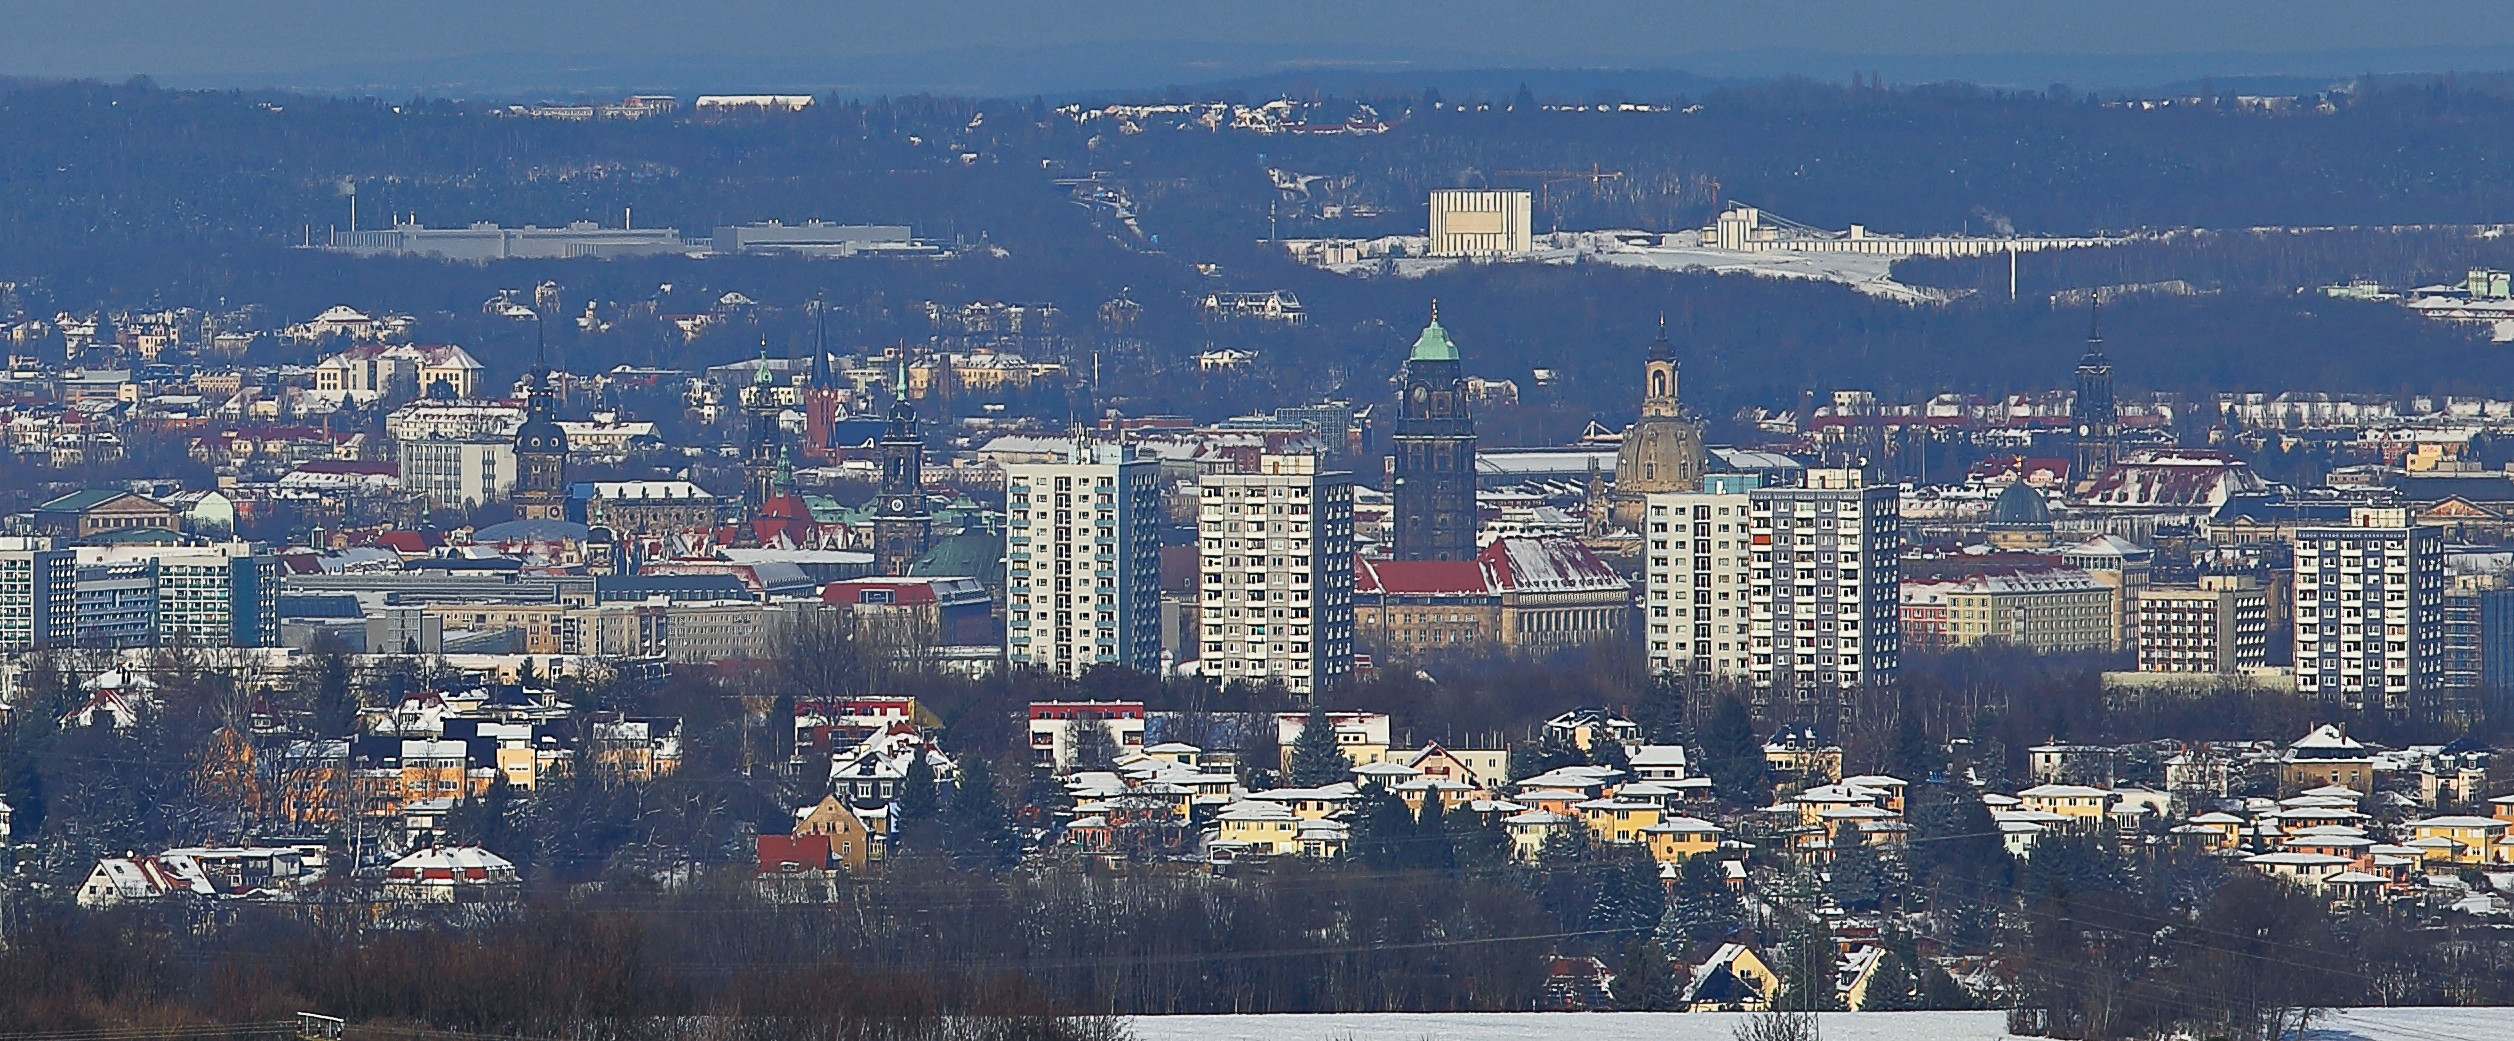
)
(917, 799)
(1089, 745)
(1894, 986)
(1916, 758)
(1703, 910)
(1383, 832)
(2065, 864)
(1660, 711)
(1482, 847)
(1316, 761)
(1955, 842)
(1806, 962)
(1858, 880)
(977, 830)
(1606, 751)
(1647, 983)
(1431, 849)
(1731, 754)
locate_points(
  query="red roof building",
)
(1528, 596)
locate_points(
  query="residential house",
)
(2326, 756)
(1674, 839)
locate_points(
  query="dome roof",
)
(1434, 344)
(540, 435)
(2020, 507)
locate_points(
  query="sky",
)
(1146, 42)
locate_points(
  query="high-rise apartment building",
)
(1826, 593)
(1695, 568)
(2220, 626)
(1082, 564)
(224, 595)
(1277, 574)
(38, 594)
(2370, 611)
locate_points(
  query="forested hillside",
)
(121, 196)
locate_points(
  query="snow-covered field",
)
(2374, 1024)
(1867, 273)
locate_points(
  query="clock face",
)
(898, 505)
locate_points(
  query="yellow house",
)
(1310, 803)
(1618, 820)
(2502, 807)
(1733, 979)
(2215, 831)
(1261, 827)
(2473, 838)
(1674, 839)
(1889, 789)
(1814, 802)
(1528, 831)
(2083, 804)
(850, 841)
(1451, 792)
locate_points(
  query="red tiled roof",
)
(350, 466)
(1420, 577)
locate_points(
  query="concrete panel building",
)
(2369, 609)
(1082, 560)
(1695, 567)
(1277, 566)
(2220, 626)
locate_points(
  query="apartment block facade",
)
(1082, 560)
(1277, 574)
(2369, 610)
(1824, 594)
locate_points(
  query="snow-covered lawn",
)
(2374, 1024)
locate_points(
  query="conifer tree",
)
(1858, 880)
(1316, 761)
(1647, 983)
(1384, 832)
(1432, 849)
(1702, 911)
(917, 798)
(977, 829)
(1660, 711)
(1731, 754)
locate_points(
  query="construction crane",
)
(1547, 179)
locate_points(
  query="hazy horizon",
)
(1061, 46)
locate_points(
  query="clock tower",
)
(540, 449)
(1434, 462)
(902, 530)
(2094, 420)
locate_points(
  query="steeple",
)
(540, 444)
(902, 530)
(759, 460)
(2095, 419)
(1434, 469)
(1659, 394)
(1433, 344)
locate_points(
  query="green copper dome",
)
(1434, 344)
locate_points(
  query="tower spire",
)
(2094, 323)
